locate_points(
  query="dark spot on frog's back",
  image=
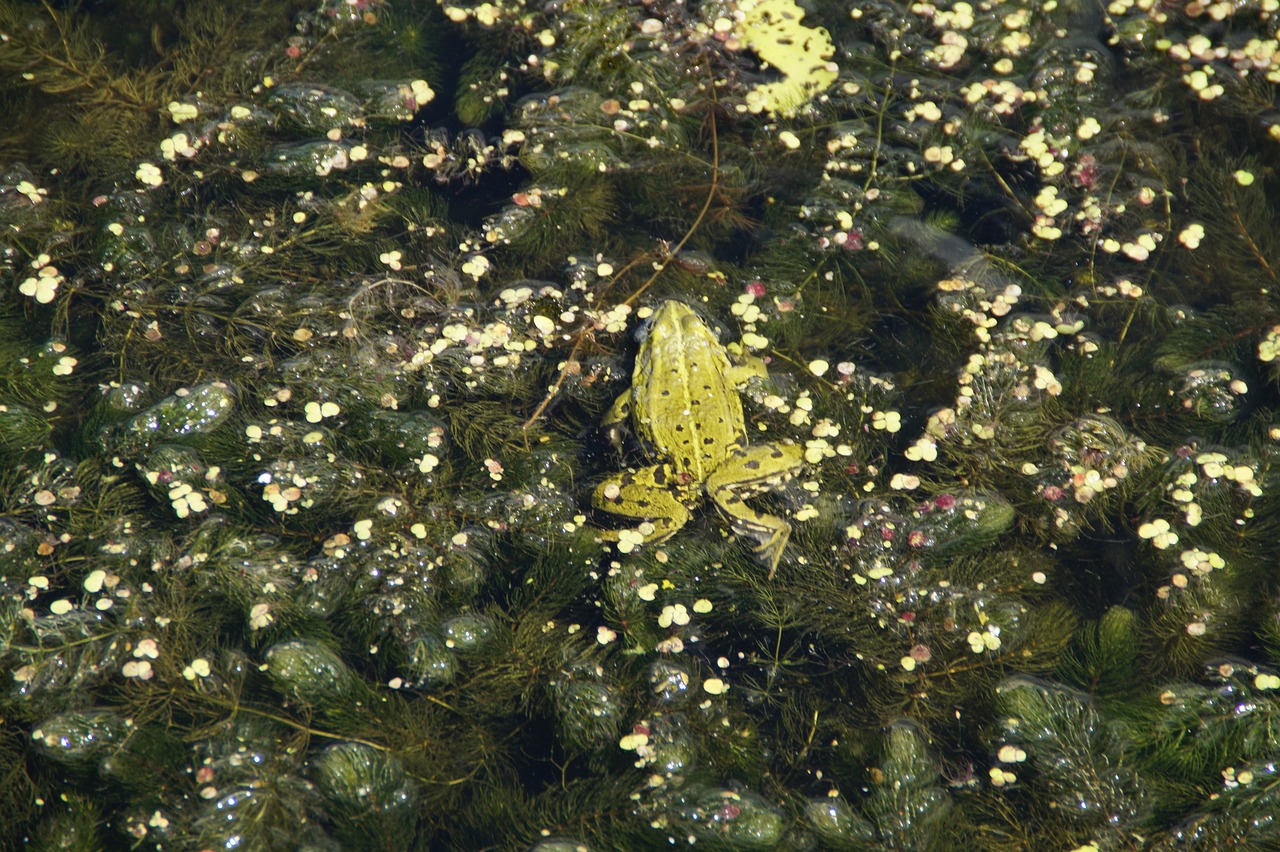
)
(754, 465)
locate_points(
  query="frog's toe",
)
(769, 551)
(770, 531)
(627, 539)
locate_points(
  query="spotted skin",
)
(728, 491)
(683, 405)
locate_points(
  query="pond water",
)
(603, 425)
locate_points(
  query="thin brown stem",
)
(668, 253)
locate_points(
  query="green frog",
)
(683, 405)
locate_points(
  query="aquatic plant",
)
(312, 316)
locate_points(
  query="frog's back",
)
(685, 404)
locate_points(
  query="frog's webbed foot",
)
(771, 531)
(753, 470)
(646, 494)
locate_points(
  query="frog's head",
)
(673, 314)
(673, 318)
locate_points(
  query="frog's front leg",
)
(752, 470)
(748, 367)
(616, 418)
(650, 494)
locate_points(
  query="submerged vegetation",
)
(314, 313)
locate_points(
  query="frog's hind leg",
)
(650, 494)
(753, 470)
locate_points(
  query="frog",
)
(684, 407)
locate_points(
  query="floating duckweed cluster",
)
(312, 321)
